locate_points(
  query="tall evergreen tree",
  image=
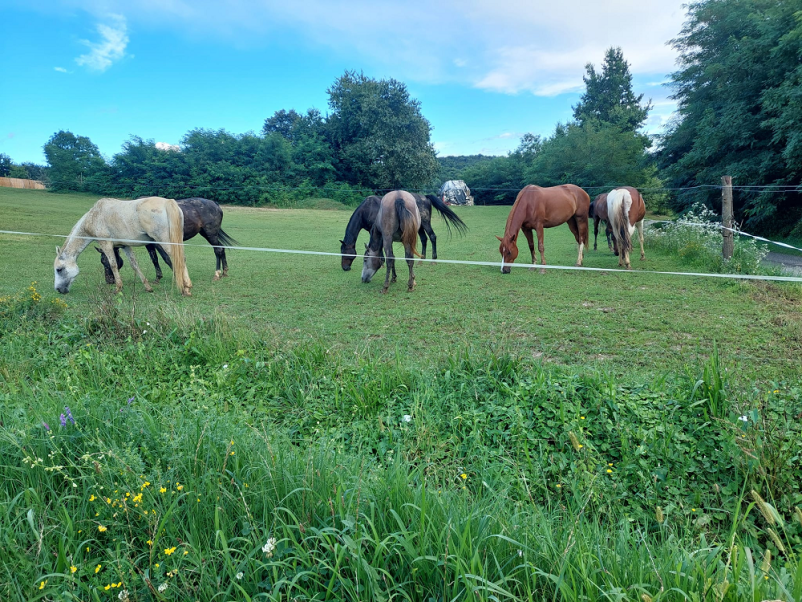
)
(608, 96)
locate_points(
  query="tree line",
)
(739, 113)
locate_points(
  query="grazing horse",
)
(536, 208)
(598, 211)
(364, 217)
(201, 216)
(626, 210)
(143, 220)
(398, 220)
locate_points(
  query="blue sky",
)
(485, 71)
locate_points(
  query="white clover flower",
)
(123, 596)
(162, 587)
(269, 547)
(240, 575)
(520, 552)
(744, 418)
(225, 366)
(407, 418)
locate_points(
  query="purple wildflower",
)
(63, 420)
(69, 414)
(130, 399)
(46, 425)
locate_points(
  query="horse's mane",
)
(525, 191)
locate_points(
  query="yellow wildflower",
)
(73, 569)
(464, 476)
(108, 587)
(97, 569)
(185, 552)
(163, 489)
(609, 471)
(42, 584)
(149, 542)
(101, 528)
(92, 498)
(180, 487)
(138, 498)
(169, 551)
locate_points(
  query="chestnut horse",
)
(598, 211)
(398, 220)
(536, 208)
(626, 210)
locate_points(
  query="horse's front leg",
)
(596, 221)
(155, 260)
(107, 248)
(411, 263)
(530, 239)
(541, 249)
(132, 258)
(388, 253)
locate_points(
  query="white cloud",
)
(168, 147)
(110, 48)
(61, 69)
(505, 46)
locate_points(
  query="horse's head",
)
(66, 269)
(371, 263)
(509, 251)
(348, 251)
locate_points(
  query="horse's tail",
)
(409, 229)
(175, 232)
(451, 218)
(226, 239)
(619, 202)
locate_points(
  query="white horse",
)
(625, 212)
(152, 219)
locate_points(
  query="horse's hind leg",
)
(411, 263)
(423, 240)
(432, 237)
(639, 226)
(155, 259)
(541, 249)
(221, 268)
(596, 221)
(132, 259)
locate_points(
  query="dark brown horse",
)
(364, 217)
(201, 216)
(536, 208)
(598, 211)
(626, 210)
(398, 220)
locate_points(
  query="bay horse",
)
(201, 216)
(598, 211)
(398, 220)
(626, 210)
(364, 217)
(147, 220)
(536, 208)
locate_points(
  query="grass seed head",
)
(765, 566)
(776, 539)
(658, 514)
(574, 441)
(763, 507)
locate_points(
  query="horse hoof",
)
(384, 291)
(643, 257)
(149, 289)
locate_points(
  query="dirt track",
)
(792, 263)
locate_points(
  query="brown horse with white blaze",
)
(626, 210)
(536, 208)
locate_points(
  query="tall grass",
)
(204, 464)
(696, 239)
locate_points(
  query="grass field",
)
(630, 324)
(289, 433)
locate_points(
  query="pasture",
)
(632, 325)
(289, 433)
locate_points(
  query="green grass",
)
(633, 325)
(567, 436)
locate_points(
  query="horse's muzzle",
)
(63, 289)
(505, 270)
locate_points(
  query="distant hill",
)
(451, 168)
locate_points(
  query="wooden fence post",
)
(726, 216)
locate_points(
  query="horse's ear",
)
(342, 242)
(500, 239)
(98, 250)
(57, 250)
(366, 246)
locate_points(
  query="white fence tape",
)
(495, 264)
